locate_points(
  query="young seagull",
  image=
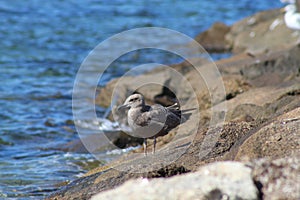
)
(150, 121)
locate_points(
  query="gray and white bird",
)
(292, 15)
(150, 121)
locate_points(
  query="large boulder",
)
(231, 180)
(279, 138)
(259, 179)
(277, 179)
(262, 32)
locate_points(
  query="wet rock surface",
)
(260, 135)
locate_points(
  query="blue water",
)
(42, 46)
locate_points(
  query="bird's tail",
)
(175, 106)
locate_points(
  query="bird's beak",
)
(123, 107)
(282, 10)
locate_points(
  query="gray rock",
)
(279, 179)
(262, 32)
(222, 180)
(279, 138)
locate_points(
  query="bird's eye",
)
(134, 99)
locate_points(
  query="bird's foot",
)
(145, 146)
(154, 145)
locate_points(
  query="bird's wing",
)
(151, 115)
(159, 116)
(173, 120)
(169, 116)
(158, 113)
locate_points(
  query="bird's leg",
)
(145, 146)
(154, 145)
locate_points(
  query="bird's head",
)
(291, 8)
(133, 101)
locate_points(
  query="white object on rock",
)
(292, 17)
(288, 1)
(275, 23)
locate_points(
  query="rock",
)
(224, 180)
(256, 102)
(159, 77)
(50, 123)
(99, 142)
(260, 33)
(277, 139)
(74, 146)
(246, 112)
(126, 168)
(234, 85)
(263, 32)
(153, 166)
(262, 120)
(264, 69)
(278, 179)
(3, 142)
(264, 105)
(213, 39)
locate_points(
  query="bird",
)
(292, 17)
(288, 1)
(150, 122)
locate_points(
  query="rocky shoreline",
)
(256, 155)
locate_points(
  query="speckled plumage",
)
(150, 121)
